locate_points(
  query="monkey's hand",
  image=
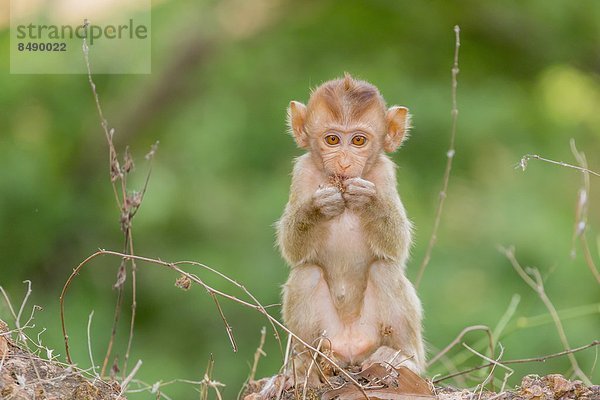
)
(359, 192)
(329, 201)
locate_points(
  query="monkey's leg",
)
(308, 311)
(393, 298)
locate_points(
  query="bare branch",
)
(525, 160)
(537, 284)
(506, 317)
(581, 213)
(493, 363)
(228, 327)
(449, 158)
(89, 342)
(129, 377)
(259, 352)
(521, 361)
(457, 340)
(197, 280)
(310, 367)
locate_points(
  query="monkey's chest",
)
(345, 247)
(346, 257)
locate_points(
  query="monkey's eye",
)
(332, 140)
(359, 140)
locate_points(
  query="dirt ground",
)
(25, 376)
(397, 387)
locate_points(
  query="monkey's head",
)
(346, 125)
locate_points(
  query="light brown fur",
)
(347, 246)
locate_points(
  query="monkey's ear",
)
(296, 118)
(398, 124)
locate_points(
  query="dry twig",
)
(520, 361)
(192, 277)
(493, 363)
(129, 377)
(537, 284)
(449, 158)
(457, 340)
(128, 204)
(581, 212)
(259, 352)
(89, 343)
(527, 157)
(313, 361)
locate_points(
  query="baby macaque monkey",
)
(345, 233)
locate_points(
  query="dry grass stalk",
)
(494, 363)
(242, 288)
(207, 382)
(457, 340)
(537, 284)
(449, 158)
(581, 213)
(192, 277)
(89, 343)
(313, 361)
(521, 361)
(128, 204)
(527, 157)
(581, 208)
(259, 352)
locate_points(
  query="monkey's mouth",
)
(337, 180)
(340, 177)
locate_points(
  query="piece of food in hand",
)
(337, 181)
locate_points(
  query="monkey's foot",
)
(273, 387)
(278, 384)
(388, 356)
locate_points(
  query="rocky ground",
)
(390, 384)
(25, 376)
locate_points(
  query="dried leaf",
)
(115, 167)
(114, 370)
(121, 276)
(3, 347)
(132, 201)
(152, 151)
(342, 392)
(128, 164)
(409, 382)
(183, 282)
(350, 392)
(410, 385)
(375, 370)
(559, 384)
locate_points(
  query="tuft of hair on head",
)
(347, 97)
(348, 81)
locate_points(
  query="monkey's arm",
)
(296, 230)
(299, 231)
(387, 229)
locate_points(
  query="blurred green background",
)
(223, 74)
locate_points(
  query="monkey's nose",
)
(343, 167)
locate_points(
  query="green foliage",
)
(528, 83)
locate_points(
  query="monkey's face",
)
(344, 154)
(346, 150)
(346, 126)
